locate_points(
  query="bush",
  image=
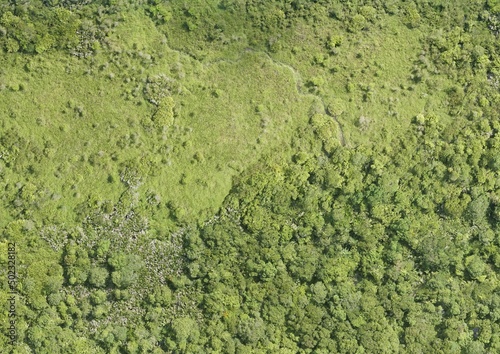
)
(164, 115)
(159, 87)
(356, 23)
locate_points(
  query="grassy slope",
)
(385, 54)
(369, 72)
(229, 113)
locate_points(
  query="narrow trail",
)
(296, 76)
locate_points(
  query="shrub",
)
(158, 87)
(357, 23)
(164, 115)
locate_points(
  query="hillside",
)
(250, 176)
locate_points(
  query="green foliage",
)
(251, 176)
(98, 277)
(357, 23)
(39, 29)
(477, 209)
(164, 115)
(412, 15)
(125, 269)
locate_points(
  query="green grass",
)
(242, 99)
(370, 71)
(229, 113)
(380, 61)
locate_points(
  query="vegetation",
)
(250, 176)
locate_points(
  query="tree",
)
(185, 331)
(251, 330)
(475, 267)
(98, 277)
(125, 269)
(477, 209)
